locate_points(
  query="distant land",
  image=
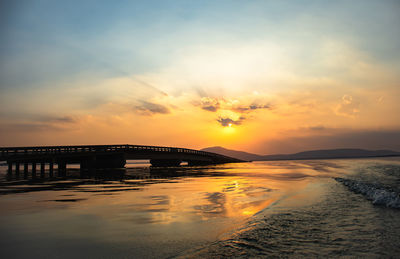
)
(312, 154)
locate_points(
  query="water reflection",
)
(216, 204)
(173, 194)
(109, 180)
(145, 207)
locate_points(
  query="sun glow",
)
(229, 129)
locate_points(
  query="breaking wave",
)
(379, 195)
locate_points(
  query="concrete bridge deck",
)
(104, 156)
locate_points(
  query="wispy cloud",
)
(28, 127)
(43, 123)
(249, 108)
(60, 119)
(151, 108)
(317, 128)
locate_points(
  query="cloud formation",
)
(348, 107)
(151, 108)
(229, 111)
(210, 104)
(214, 104)
(226, 122)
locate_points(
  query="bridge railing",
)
(7, 152)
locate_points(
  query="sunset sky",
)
(259, 76)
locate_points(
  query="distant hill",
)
(333, 153)
(313, 154)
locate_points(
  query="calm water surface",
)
(261, 209)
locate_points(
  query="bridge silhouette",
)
(104, 156)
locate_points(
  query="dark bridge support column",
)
(26, 170)
(33, 170)
(17, 168)
(42, 169)
(62, 168)
(9, 167)
(51, 168)
(165, 162)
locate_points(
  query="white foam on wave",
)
(378, 195)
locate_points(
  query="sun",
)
(230, 125)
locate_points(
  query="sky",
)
(259, 76)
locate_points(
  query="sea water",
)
(312, 208)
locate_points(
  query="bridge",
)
(103, 156)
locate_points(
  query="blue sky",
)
(64, 38)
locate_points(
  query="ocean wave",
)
(379, 195)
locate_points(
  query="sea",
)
(277, 209)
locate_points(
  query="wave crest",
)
(377, 194)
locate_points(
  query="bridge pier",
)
(165, 162)
(26, 170)
(26, 165)
(51, 168)
(62, 168)
(9, 171)
(17, 169)
(42, 169)
(33, 170)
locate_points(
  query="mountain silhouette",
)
(312, 154)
